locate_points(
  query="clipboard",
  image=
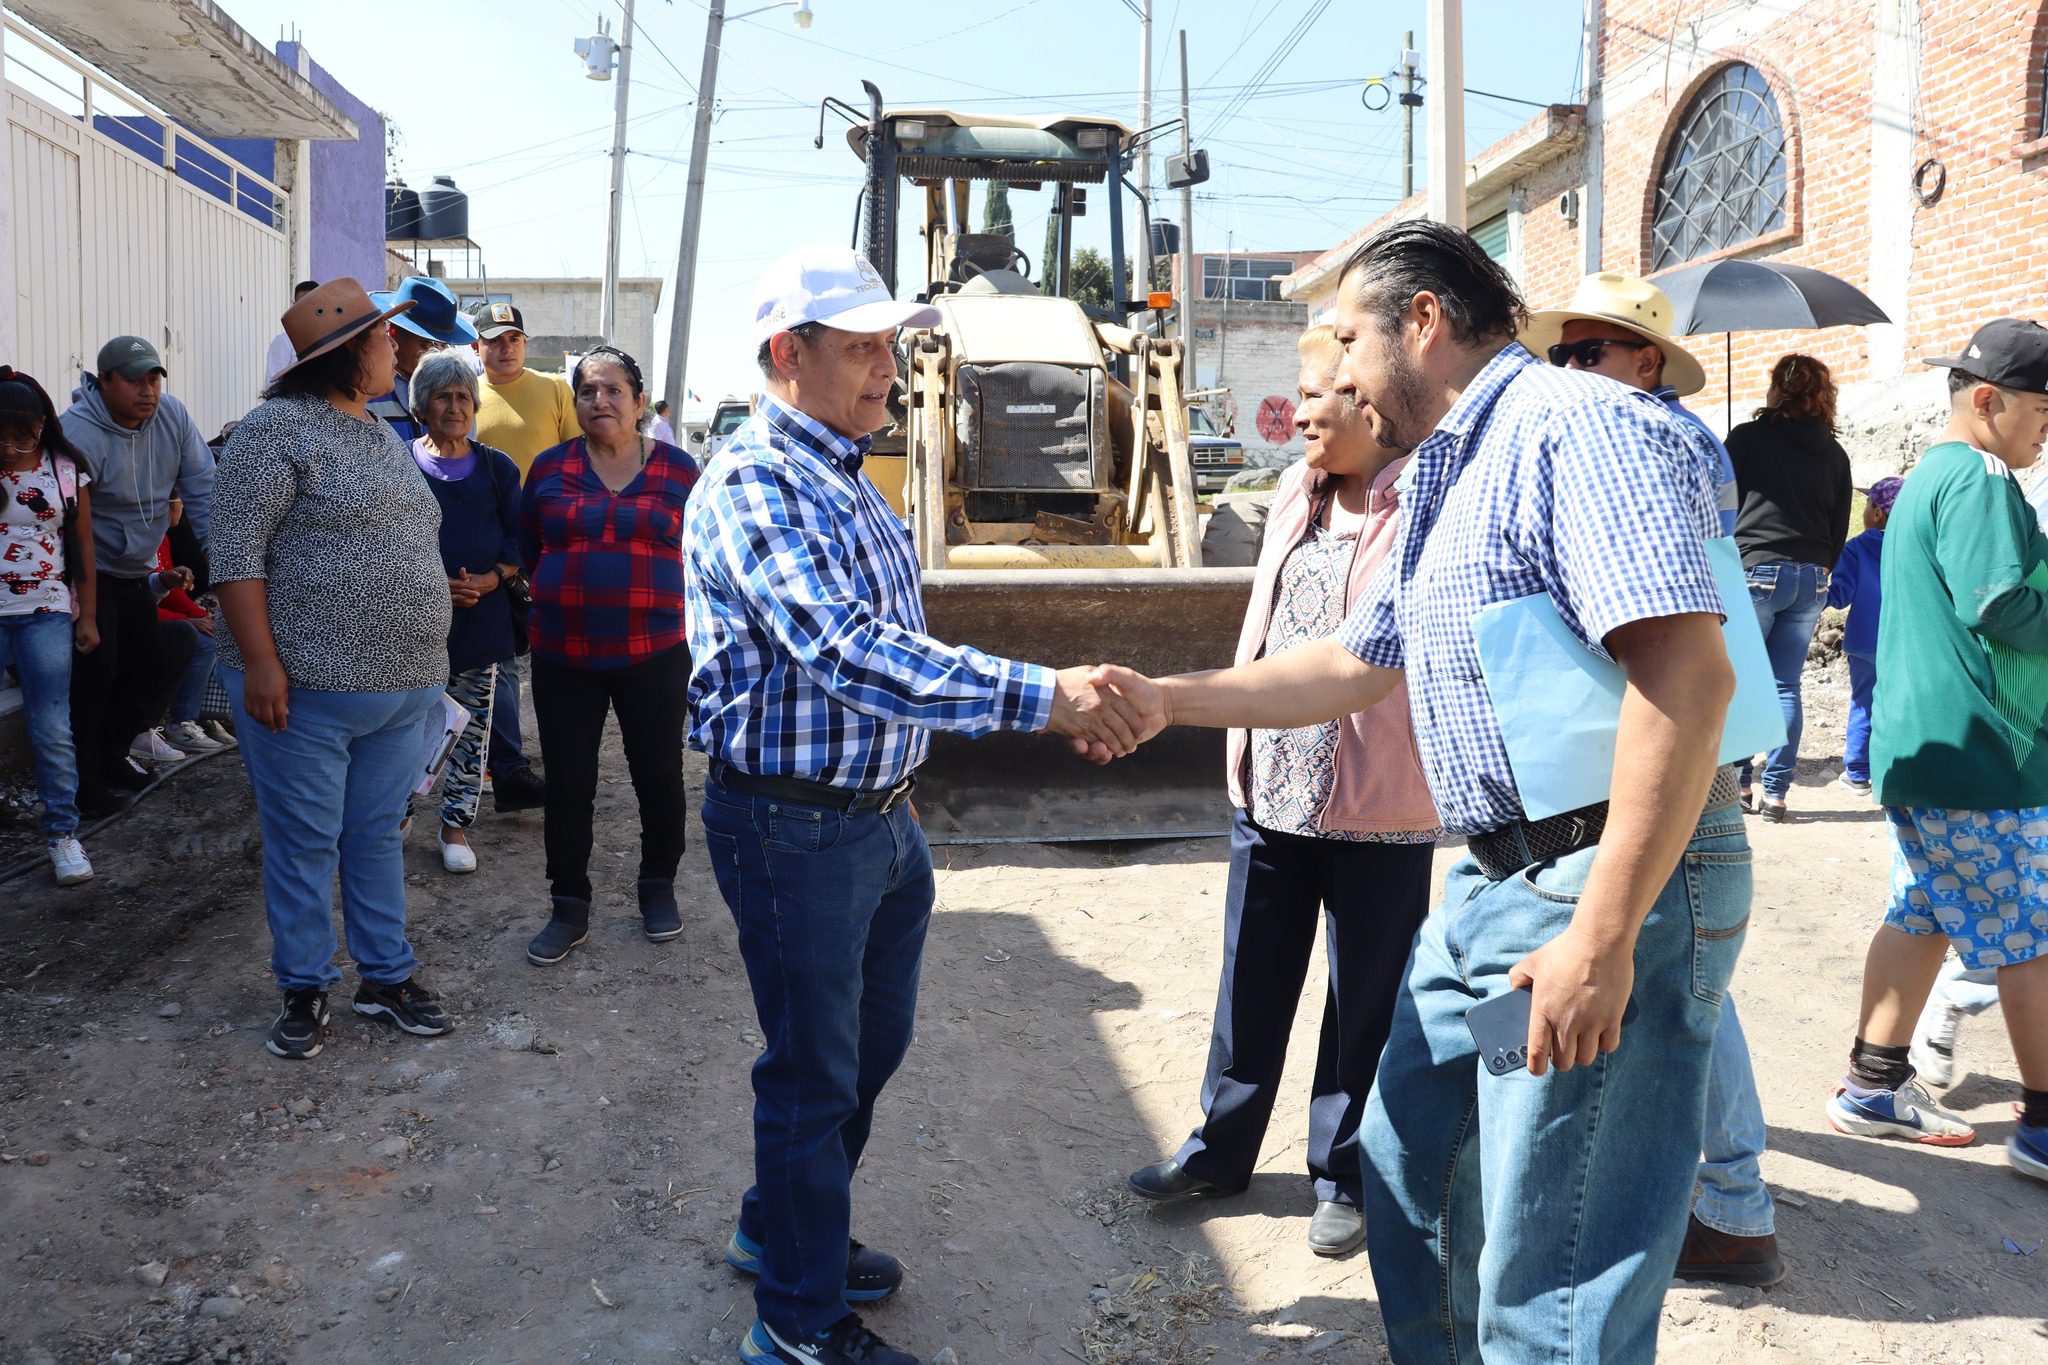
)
(1559, 705)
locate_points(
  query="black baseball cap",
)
(496, 319)
(2009, 352)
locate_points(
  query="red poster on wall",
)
(1276, 420)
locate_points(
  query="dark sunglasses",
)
(1587, 353)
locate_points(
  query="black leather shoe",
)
(659, 914)
(523, 790)
(1166, 1180)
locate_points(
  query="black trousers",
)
(569, 707)
(122, 688)
(1373, 897)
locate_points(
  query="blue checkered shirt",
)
(808, 652)
(1727, 495)
(1538, 480)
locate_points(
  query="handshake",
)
(1107, 711)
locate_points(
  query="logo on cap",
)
(868, 273)
(138, 345)
(501, 312)
(1976, 351)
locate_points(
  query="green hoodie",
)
(1960, 719)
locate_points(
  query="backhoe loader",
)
(1040, 460)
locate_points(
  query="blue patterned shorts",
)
(1979, 876)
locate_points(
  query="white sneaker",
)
(69, 862)
(1933, 1053)
(151, 747)
(458, 858)
(187, 735)
(1907, 1113)
(218, 732)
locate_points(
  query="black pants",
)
(569, 707)
(121, 689)
(1373, 898)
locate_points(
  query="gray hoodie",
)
(133, 473)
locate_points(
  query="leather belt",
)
(1503, 852)
(805, 792)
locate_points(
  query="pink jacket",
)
(1378, 786)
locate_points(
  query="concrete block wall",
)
(1260, 366)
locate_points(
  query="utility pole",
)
(1190, 287)
(1143, 255)
(1447, 119)
(608, 312)
(1410, 102)
(693, 212)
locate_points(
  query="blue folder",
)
(1559, 704)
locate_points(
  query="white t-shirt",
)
(32, 542)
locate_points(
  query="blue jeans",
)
(1523, 1218)
(1862, 686)
(1788, 599)
(330, 792)
(39, 645)
(831, 911)
(190, 693)
(1733, 1198)
(1370, 899)
(505, 756)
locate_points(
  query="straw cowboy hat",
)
(333, 315)
(1628, 303)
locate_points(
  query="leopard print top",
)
(332, 513)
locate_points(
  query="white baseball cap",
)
(832, 284)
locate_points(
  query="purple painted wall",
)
(347, 209)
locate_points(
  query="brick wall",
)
(1975, 106)
(1260, 366)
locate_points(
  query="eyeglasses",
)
(1587, 353)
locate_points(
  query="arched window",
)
(1724, 179)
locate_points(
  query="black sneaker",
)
(564, 932)
(523, 790)
(405, 1003)
(845, 1342)
(301, 1028)
(128, 776)
(870, 1274)
(98, 803)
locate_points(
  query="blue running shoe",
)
(870, 1274)
(1907, 1113)
(2027, 1149)
(845, 1342)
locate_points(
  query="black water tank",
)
(401, 212)
(444, 210)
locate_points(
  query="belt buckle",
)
(898, 794)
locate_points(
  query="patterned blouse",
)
(333, 515)
(1293, 770)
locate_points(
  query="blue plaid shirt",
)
(1727, 495)
(1538, 480)
(808, 650)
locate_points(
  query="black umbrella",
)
(1753, 296)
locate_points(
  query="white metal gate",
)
(110, 239)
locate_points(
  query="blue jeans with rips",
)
(1733, 1197)
(832, 910)
(330, 791)
(1788, 599)
(39, 645)
(1525, 1218)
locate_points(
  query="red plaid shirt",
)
(607, 568)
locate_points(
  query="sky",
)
(492, 93)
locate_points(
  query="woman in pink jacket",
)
(1332, 819)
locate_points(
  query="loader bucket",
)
(1019, 788)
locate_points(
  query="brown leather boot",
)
(1710, 1254)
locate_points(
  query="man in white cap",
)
(1620, 326)
(813, 685)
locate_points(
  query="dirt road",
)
(554, 1180)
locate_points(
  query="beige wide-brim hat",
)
(333, 315)
(1629, 303)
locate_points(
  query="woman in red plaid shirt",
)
(601, 534)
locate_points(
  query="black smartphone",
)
(1500, 1027)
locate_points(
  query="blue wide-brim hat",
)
(434, 314)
